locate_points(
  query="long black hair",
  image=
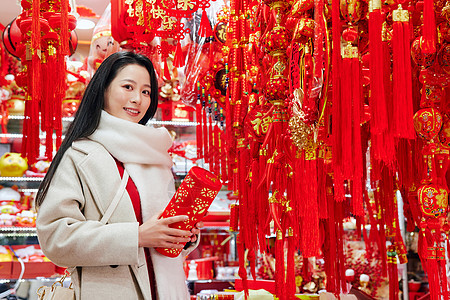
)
(87, 118)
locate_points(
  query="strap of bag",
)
(117, 197)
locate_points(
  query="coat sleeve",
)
(68, 239)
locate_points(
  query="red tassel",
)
(310, 215)
(179, 59)
(205, 128)
(429, 27)
(205, 27)
(440, 251)
(393, 274)
(290, 274)
(64, 27)
(346, 118)
(280, 286)
(166, 70)
(242, 269)
(402, 80)
(379, 119)
(198, 117)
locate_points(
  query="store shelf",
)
(21, 179)
(65, 119)
(19, 136)
(6, 231)
(151, 122)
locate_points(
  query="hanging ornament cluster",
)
(135, 23)
(316, 93)
(45, 29)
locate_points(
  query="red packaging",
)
(5, 263)
(193, 198)
(37, 266)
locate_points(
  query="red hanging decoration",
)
(402, 79)
(205, 29)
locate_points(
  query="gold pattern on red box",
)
(193, 199)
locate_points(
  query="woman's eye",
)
(128, 87)
(146, 92)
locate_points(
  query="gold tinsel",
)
(300, 132)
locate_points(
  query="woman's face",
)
(128, 95)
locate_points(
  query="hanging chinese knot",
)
(316, 93)
(135, 23)
(45, 28)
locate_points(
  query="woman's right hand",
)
(156, 233)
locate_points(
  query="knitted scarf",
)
(143, 152)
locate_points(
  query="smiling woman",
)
(128, 95)
(100, 202)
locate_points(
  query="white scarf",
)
(143, 152)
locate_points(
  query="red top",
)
(136, 201)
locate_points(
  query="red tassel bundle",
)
(393, 273)
(179, 58)
(429, 27)
(205, 27)
(402, 79)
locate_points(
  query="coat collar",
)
(99, 169)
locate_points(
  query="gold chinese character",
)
(158, 13)
(168, 23)
(184, 4)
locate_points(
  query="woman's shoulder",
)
(87, 146)
(84, 148)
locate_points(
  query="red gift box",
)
(193, 198)
(36, 266)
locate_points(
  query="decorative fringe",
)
(357, 195)
(205, 27)
(429, 28)
(290, 274)
(393, 274)
(379, 119)
(166, 69)
(280, 285)
(310, 227)
(402, 79)
(179, 59)
(199, 119)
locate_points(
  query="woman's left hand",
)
(196, 231)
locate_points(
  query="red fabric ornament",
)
(433, 200)
(419, 57)
(427, 123)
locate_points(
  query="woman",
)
(78, 225)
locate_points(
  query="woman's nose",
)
(136, 98)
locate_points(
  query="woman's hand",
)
(195, 231)
(156, 233)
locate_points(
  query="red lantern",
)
(276, 89)
(433, 200)
(300, 6)
(12, 38)
(444, 58)
(276, 40)
(444, 134)
(351, 10)
(304, 29)
(427, 122)
(421, 59)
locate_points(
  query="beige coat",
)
(110, 265)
